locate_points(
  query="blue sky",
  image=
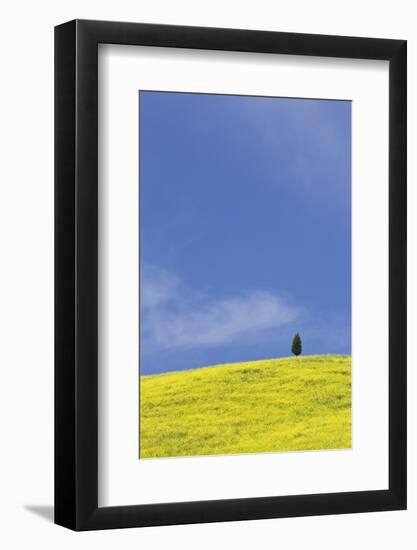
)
(245, 228)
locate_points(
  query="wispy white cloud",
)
(158, 287)
(173, 316)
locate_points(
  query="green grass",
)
(288, 404)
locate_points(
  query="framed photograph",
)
(230, 254)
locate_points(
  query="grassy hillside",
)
(274, 405)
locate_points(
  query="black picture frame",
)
(76, 273)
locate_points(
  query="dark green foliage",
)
(296, 346)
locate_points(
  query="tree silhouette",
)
(296, 346)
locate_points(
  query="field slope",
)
(287, 404)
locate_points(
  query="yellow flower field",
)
(274, 405)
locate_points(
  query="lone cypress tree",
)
(296, 346)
